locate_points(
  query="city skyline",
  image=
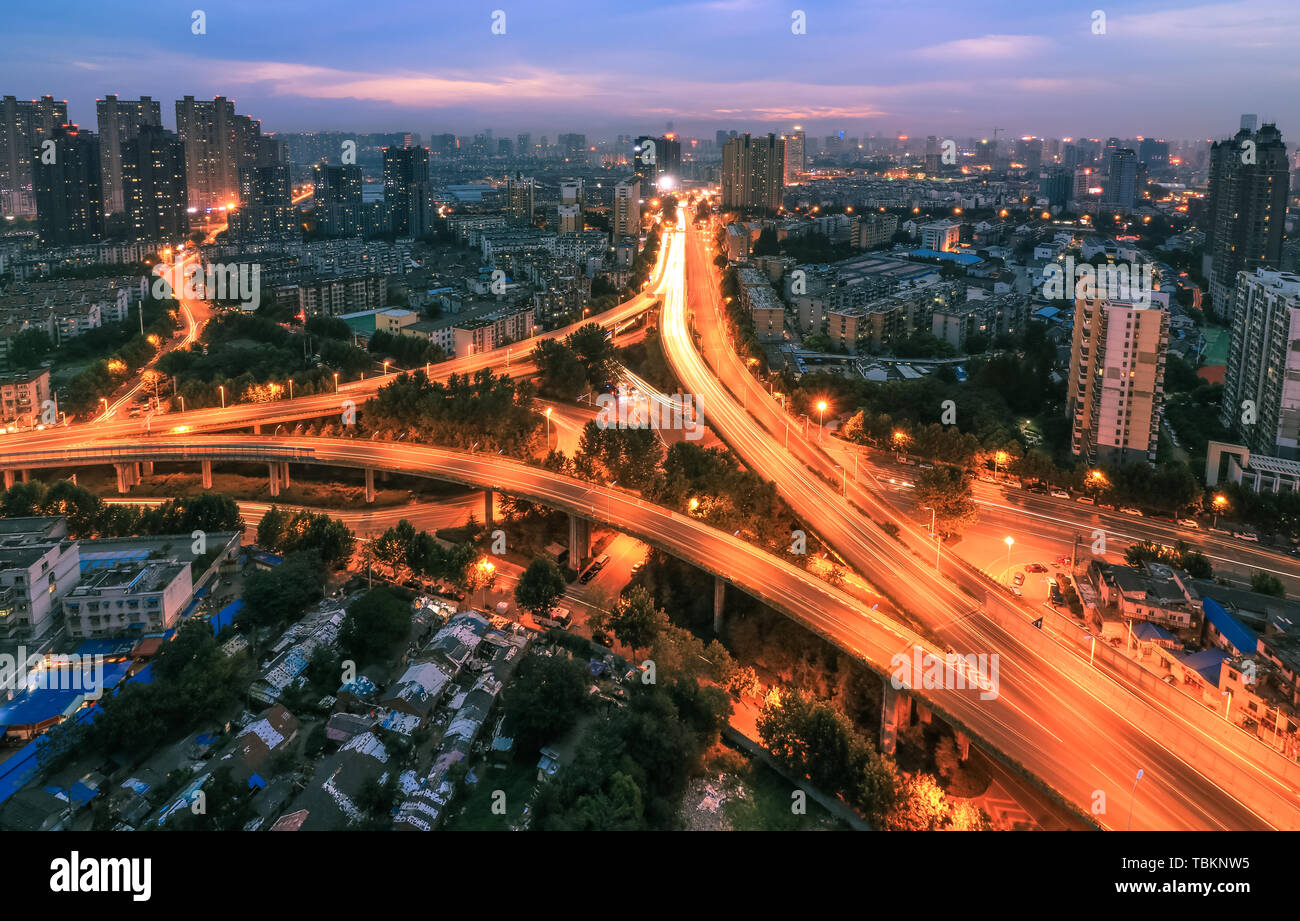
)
(1019, 67)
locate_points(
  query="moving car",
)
(1247, 535)
(1060, 494)
(1129, 510)
(1189, 523)
(1086, 500)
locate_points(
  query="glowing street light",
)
(999, 459)
(1009, 541)
(336, 382)
(1220, 503)
(821, 413)
(694, 504)
(549, 410)
(222, 388)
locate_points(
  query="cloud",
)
(1243, 24)
(986, 47)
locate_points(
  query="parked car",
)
(1129, 510)
(1189, 523)
(1019, 579)
(1086, 500)
(1036, 567)
(1060, 494)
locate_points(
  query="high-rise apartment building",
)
(406, 179)
(338, 201)
(519, 198)
(69, 199)
(266, 209)
(794, 162)
(1121, 179)
(753, 173)
(627, 209)
(1246, 213)
(218, 144)
(1117, 372)
(120, 120)
(1261, 389)
(153, 187)
(23, 126)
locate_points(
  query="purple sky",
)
(1162, 67)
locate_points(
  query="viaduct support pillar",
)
(370, 484)
(124, 474)
(206, 467)
(579, 541)
(719, 592)
(146, 468)
(284, 474)
(9, 479)
(257, 428)
(895, 714)
(489, 503)
(963, 745)
(274, 468)
(27, 474)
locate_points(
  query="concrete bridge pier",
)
(284, 475)
(579, 541)
(257, 428)
(126, 477)
(146, 468)
(719, 592)
(206, 468)
(26, 474)
(370, 484)
(274, 469)
(895, 714)
(489, 507)
(9, 479)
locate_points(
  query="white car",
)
(1189, 523)
(1060, 494)
(1086, 500)
(1246, 535)
(1136, 513)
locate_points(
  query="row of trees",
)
(286, 531)
(488, 410)
(90, 516)
(403, 551)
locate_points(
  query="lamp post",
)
(999, 459)
(821, 415)
(1131, 797)
(549, 410)
(1220, 503)
(336, 382)
(1009, 541)
(222, 388)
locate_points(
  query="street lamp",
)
(999, 459)
(549, 410)
(693, 504)
(182, 402)
(821, 414)
(336, 382)
(1220, 503)
(291, 388)
(104, 400)
(222, 388)
(1009, 541)
(1131, 797)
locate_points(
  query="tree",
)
(280, 594)
(947, 491)
(29, 348)
(1267, 584)
(635, 621)
(373, 625)
(546, 699)
(541, 585)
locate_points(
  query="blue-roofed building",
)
(52, 694)
(955, 258)
(1203, 669)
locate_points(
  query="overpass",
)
(1058, 751)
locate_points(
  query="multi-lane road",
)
(1081, 743)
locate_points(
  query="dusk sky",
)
(1169, 68)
